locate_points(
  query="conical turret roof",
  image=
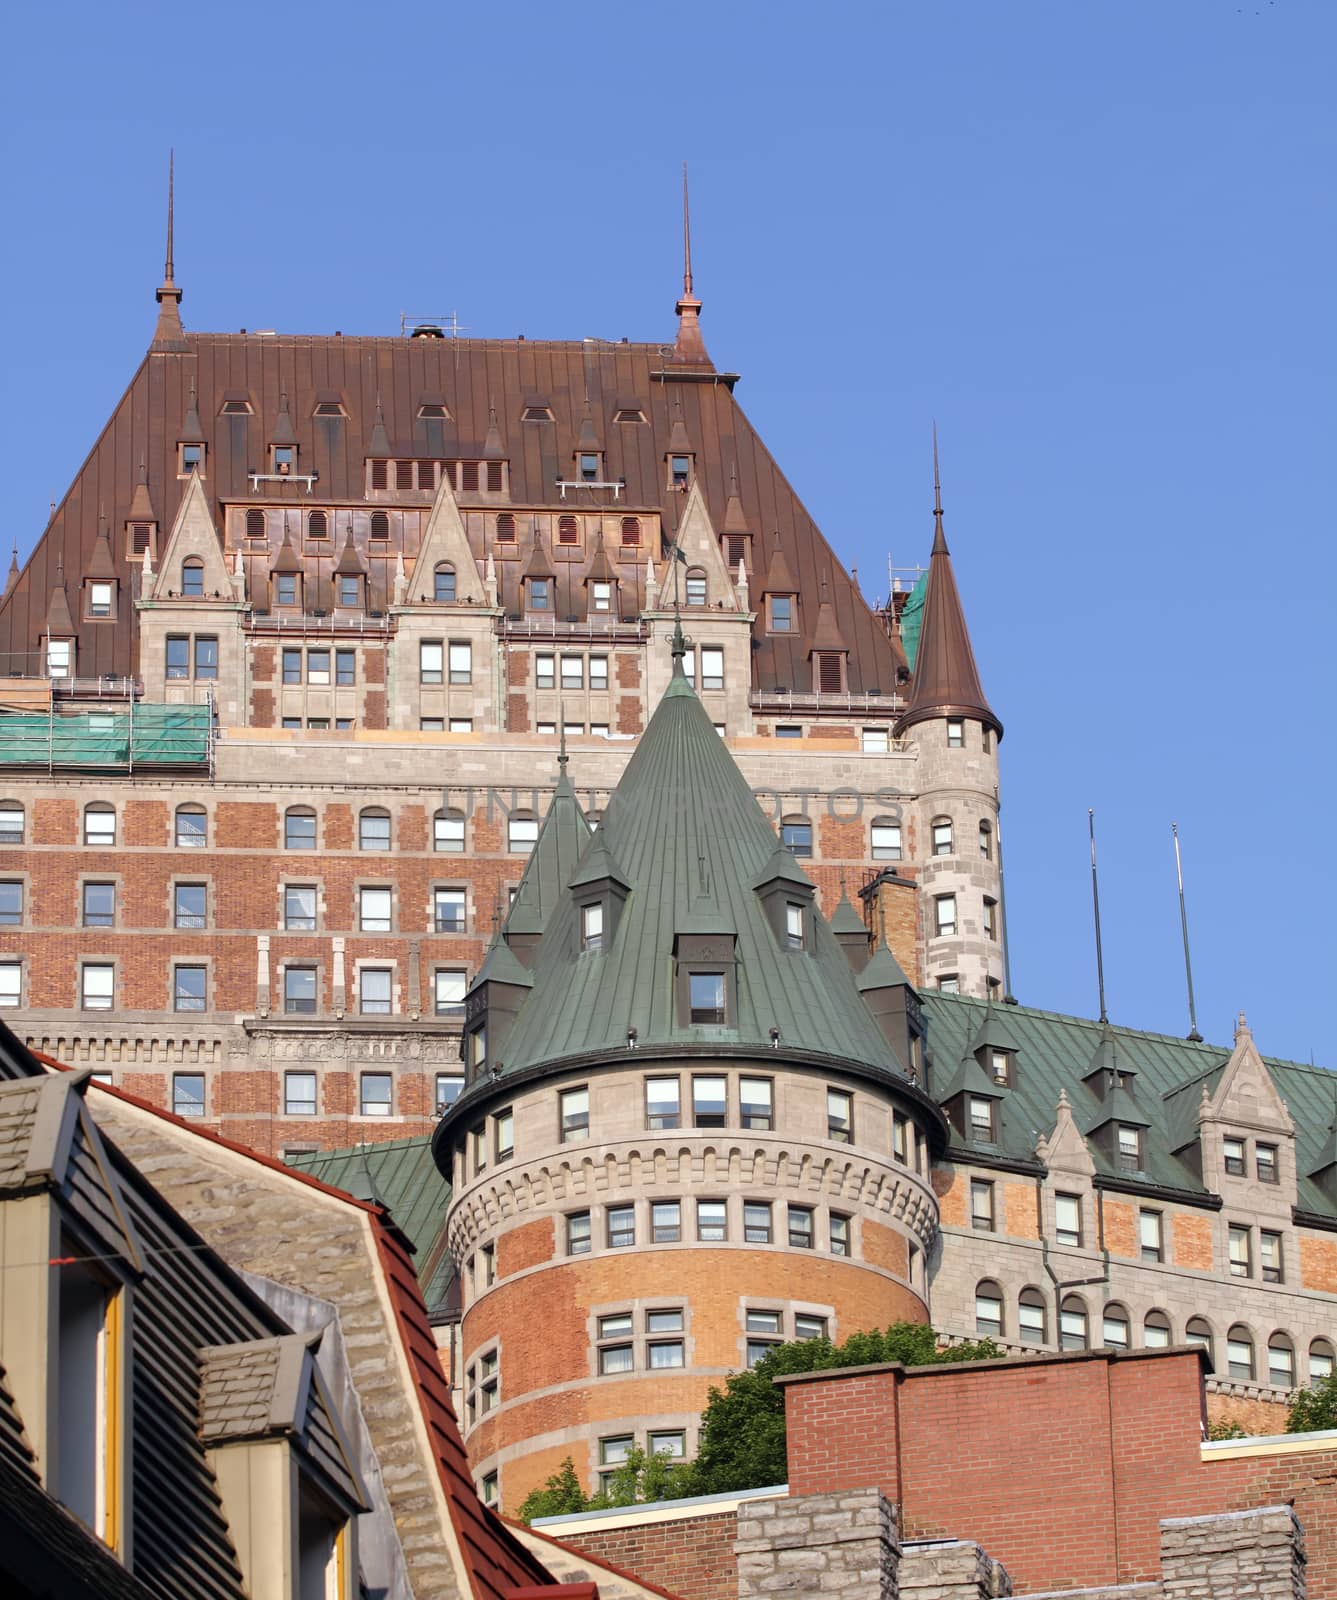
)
(59, 624)
(350, 563)
(683, 816)
(946, 681)
(101, 564)
(845, 919)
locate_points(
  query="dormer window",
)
(781, 613)
(478, 1050)
(1000, 1068)
(100, 599)
(540, 594)
(707, 993)
(536, 413)
(592, 928)
(192, 578)
(735, 550)
(285, 588)
(350, 591)
(284, 459)
(59, 657)
(443, 584)
(601, 596)
(794, 931)
(328, 408)
(140, 540)
(829, 671)
(380, 474)
(680, 471)
(1130, 1149)
(981, 1113)
(696, 587)
(588, 467)
(190, 459)
(433, 411)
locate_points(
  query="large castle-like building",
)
(479, 736)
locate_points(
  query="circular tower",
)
(687, 1131)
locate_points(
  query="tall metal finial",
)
(561, 738)
(677, 643)
(167, 270)
(1194, 1036)
(1095, 901)
(938, 538)
(686, 237)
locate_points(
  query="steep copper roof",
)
(58, 623)
(827, 635)
(100, 563)
(947, 681)
(382, 383)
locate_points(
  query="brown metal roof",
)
(382, 382)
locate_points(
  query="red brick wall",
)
(692, 1558)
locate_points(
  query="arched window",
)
(1198, 1331)
(448, 832)
(1033, 1316)
(631, 530)
(192, 577)
(255, 524)
(318, 525)
(373, 829)
(1114, 1327)
(192, 828)
(521, 832)
(299, 828)
(1281, 1362)
(1072, 1324)
(100, 825)
(443, 583)
(986, 839)
(696, 586)
(380, 525)
(942, 836)
(988, 1309)
(567, 531)
(505, 528)
(886, 839)
(11, 822)
(1156, 1331)
(1320, 1362)
(1239, 1353)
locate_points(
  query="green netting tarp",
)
(161, 735)
(912, 617)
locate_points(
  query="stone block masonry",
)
(833, 1544)
(1255, 1554)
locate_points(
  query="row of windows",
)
(1235, 1158)
(946, 925)
(575, 671)
(714, 1101)
(301, 1093)
(942, 835)
(1077, 1330)
(374, 986)
(708, 1222)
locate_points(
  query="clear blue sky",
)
(1095, 240)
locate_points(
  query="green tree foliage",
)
(1313, 1409)
(560, 1496)
(1225, 1430)
(742, 1442)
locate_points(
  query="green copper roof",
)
(845, 919)
(882, 972)
(685, 835)
(561, 838)
(403, 1177)
(1055, 1053)
(502, 965)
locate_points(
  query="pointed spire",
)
(779, 578)
(287, 559)
(589, 439)
(379, 444)
(191, 431)
(601, 569)
(689, 346)
(59, 624)
(826, 636)
(283, 429)
(946, 680)
(350, 563)
(538, 565)
(169, 334)
(13, 577)
(679, 441)
(677, 645)
(734, 519)
(100, 562)
(141, 504)
(492, 445)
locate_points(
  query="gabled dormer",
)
(100, 583)
(496, 466)
(780, 594)
(490, 1009)
(286, 577)
(350, 578)
(283, 442)
(995, 1048)
(539, 580)
(192, 560)
(191, 450)
(587, 465)
(894, 1003)
(786, 897)
(735, 535)
(973, 1103)
(829, 650)
(599, 888)
(850, 932)
(601, 583)
(58, 633)
(378, 453)
(680, 458)
(141, 522)
(1119, 1127)
(1245, 1132)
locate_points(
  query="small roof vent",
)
(428, 330)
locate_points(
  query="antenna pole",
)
(1009, 999)
(1095, 901)
(1194, 1036)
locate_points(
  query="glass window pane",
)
(755, 1102)
(757, 1222)
(299, 906)
(662, 1103)
(376, 1094)
(707, 997)
(575, 1113)
(709, 1100)
(374, 991)
(188, 990)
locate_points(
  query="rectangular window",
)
(299, 830)
(478, 1148)
(886, 841)
(292, 666)
(299, 1094)
(712, 668)
(188, 988)
(711, 1221)
(709, 1101)
(448, 989)
(671, 1442)
(299, 991)
(449, 1086)
(956, 733)
(666, 1222)
(665, 1353)
(1151, 1235)
(706, 997)
(1068, 1220)
(100, 827)
(612, 1453)
(573, 672)
(757, 1221)
(782, 613)
(545, 667)
(374, 991)
(809, 1327)
(1232, 1151)
(431, 661)
(1031, 1322)
(944, 915)
(1241, 1254)
(188, 1094)
(840, 1234)
(206, 657)
(942, 838)
(900, 1137)
(621, 1227)
(876, 741)
(755, 1108)
(981, 1205)
(99, 599)
(318, 668)
(1130, 1149)
(345, 667)
(990, 918)
(461, 663)
(448, 908)
(1265, 1157)
(58, 658)
(1269, 1256)
(598, 672)
(981, 1118)
(540, 594)
(97, 986)
(11, 983)
(375, 1094)
(11, 904)
(11, 825)
(299, 907)
(616, 1326)
(839, 1116)
(374, 910)
(793, 926)
(578, 1233)
(615, 1358)
(800, 1227)
(99, 905)
(503, 1135)
(574, 1106)
(592, 927)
